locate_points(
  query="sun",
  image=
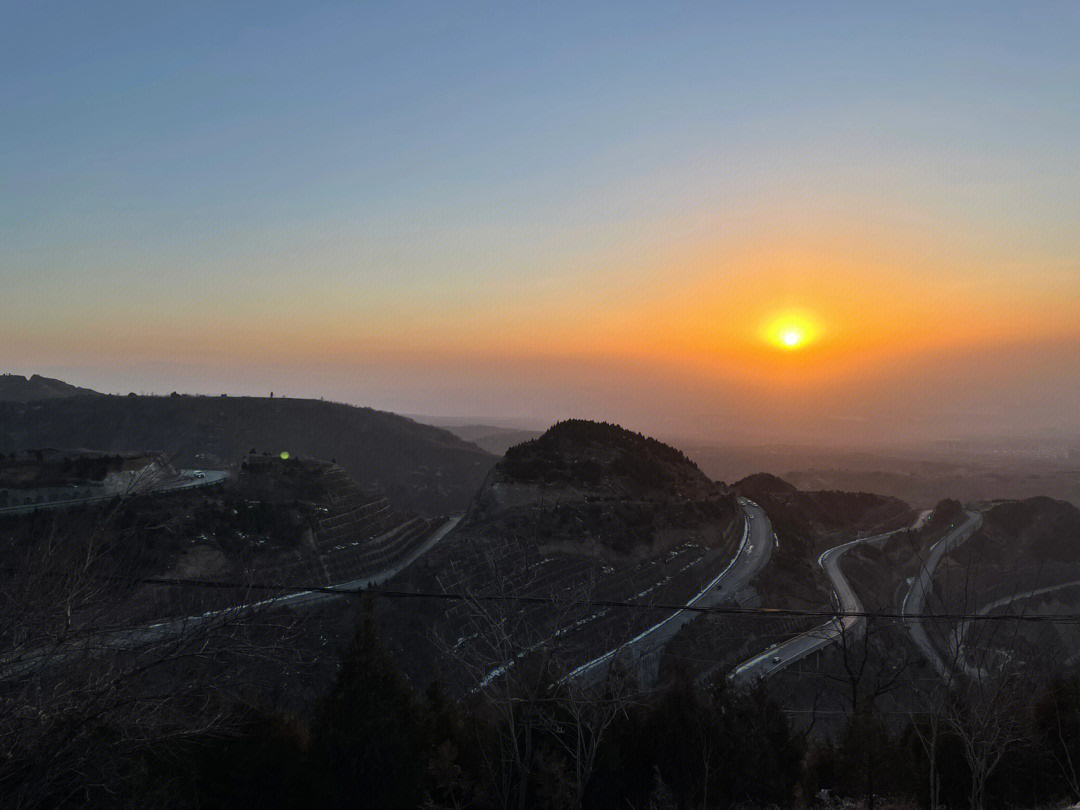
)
(791, 331)
(791, 338)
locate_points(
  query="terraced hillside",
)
(278, 524)
(587, 512)
(354, 533)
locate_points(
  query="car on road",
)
(776, 659)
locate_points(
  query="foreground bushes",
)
(373, 741)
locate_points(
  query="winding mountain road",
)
(915, 600)
(753, 554)
(777, 657)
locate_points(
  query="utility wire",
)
(717, 610)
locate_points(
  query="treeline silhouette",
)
(375, 741)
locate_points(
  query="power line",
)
(716, 610)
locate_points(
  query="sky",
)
(546, 210)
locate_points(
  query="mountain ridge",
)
(420, 467)
(16, 388)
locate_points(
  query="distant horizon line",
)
(536, 424)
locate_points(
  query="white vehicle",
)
(776, 659)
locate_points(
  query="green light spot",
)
(284, 454)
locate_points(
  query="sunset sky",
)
(544, 210)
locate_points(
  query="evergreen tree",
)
(370, 746)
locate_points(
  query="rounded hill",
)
(594, 485)
(581, 454)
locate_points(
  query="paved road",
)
(753, 554)
(915, 600)
(158, 632)
(301, 598)
(190, 479)
(965, 626)
(778, 656)
(186, 479)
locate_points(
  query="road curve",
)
(753, 554)
(309, 598)
(915, 599)
(777, 657)
(133, 637)
(185, 480)
(965, 626)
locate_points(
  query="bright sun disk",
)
(790, 331)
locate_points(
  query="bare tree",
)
(926, 713)
(987, 716)
(578, 719)
(516, 657)
(988, 671)
(870, 669)
(987, 709)
(84, 693)
(1059, 720)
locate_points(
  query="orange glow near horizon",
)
(778, 309)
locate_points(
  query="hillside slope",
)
(588, 483)
(827, 516)
(586, 511)
(1032, 542)
(419, 467)
(806, 524)
(278, 523)
(14, 388)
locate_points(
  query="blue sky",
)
(365, 187)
